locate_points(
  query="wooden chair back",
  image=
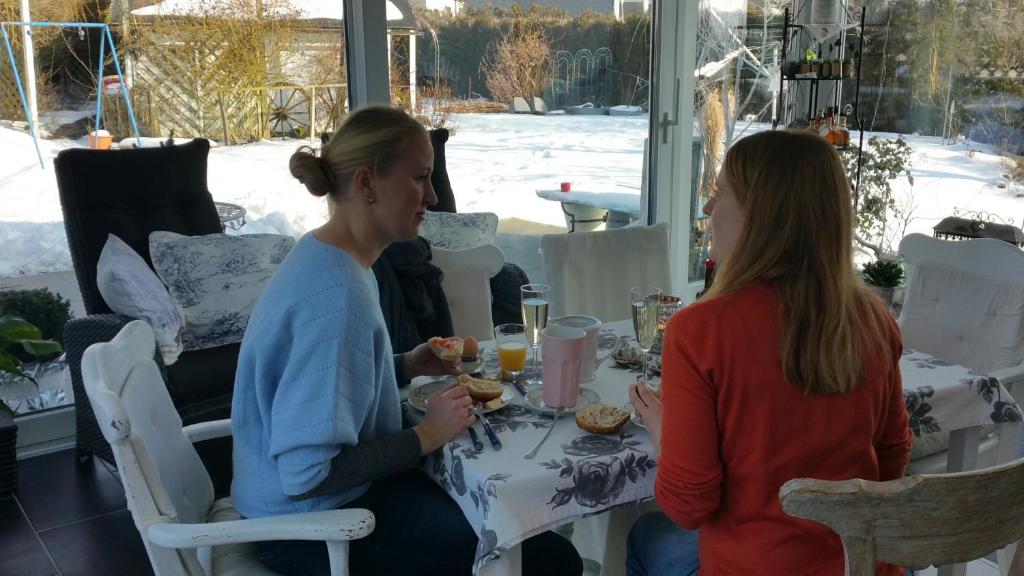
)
(917, 521)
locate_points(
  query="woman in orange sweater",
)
(788, 367)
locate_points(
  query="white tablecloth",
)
(508, 499)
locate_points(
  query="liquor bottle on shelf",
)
(843, 133)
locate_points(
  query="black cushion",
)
(130, 193)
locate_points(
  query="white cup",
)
(592, 327)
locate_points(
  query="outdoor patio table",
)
(508, 499)
(622, 207)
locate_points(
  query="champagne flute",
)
(535, 318)
(646, 301)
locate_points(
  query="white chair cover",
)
(963, 302)
(592, 272)
(467, 286)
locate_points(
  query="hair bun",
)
(311, 170)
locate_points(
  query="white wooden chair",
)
(169, 491)
(467, 286)
(917, 521)
(591, 272)
(964, 302)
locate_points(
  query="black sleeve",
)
(368, 461)
(399, 372)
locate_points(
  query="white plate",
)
(534, 399)
(420, 396)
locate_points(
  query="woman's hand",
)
(449, 413)
(648, 406)
(421, 361)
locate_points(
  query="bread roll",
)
(602, 418)
(448, 349)
(481, 390)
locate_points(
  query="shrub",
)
(883, 161)
(41, 308)
(520, 62)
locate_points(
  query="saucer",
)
(534, 399)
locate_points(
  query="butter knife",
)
(495, 442)
(478, 445)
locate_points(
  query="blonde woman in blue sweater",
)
(316, 416)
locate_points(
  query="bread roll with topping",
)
(602, 418)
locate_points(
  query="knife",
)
(478, 445)
(487, 428)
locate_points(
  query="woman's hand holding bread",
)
(422, 361)
(647, 404)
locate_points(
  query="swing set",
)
(105, 39)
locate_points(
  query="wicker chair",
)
(131, 193)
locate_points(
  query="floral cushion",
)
(459, 231)
(130, 287)
(216, 279)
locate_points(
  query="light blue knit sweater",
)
(315, 372)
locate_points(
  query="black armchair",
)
(131, 193)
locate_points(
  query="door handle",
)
(665, 121)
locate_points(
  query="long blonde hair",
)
(798, 235)
(372, 136)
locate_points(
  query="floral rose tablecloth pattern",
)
(942, 396)
(507, 499)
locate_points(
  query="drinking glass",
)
(511, 349)
(645, 301)
(535, 319)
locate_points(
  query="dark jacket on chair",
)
(411, 299)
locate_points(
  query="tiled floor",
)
(68, 518)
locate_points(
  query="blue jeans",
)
(658, 547)
(420, 532)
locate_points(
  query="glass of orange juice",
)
(512, 346)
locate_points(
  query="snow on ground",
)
(495, 162)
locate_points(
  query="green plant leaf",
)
(41, 347)
(13, 329)
(10, 364)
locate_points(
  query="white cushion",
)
(973, 321)
(487, 257)
(468, 291)
(592, 272)
(216, 279)
(459, 231)
(130, 287)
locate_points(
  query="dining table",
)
(507, 498)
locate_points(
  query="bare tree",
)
(520, 62)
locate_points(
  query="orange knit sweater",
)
(734, 430)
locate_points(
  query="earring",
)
(371, 199)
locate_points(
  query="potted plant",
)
(15, 332)
(48, 312)
(885, 276)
